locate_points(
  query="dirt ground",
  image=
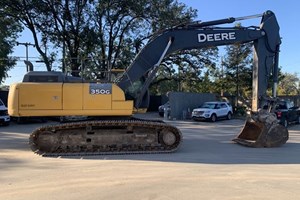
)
(206, 166)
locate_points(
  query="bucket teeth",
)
(262, 130)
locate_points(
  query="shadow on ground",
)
(203, 142)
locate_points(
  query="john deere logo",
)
(216, 37)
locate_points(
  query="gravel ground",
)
(206, 166)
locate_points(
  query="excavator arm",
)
(265, 39)
(261, 128)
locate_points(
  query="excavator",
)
(115, 130)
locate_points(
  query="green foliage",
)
(238, 69)
(289, 84)
(9, 30)
(96, 35)
(240, 111)
(188, 71)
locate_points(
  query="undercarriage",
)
(105, 137)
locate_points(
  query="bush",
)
(240, 111)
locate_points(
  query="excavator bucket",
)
(262, 130)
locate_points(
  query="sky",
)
(287, 13)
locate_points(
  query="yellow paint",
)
(63, 99)
(140, 110)
(97, 101)
(72, 96)
(37, 96)
(13, 100)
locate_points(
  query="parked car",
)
(161, 109)
(213, 111)
(4, 117)
(287, 113)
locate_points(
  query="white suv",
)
(4, 117)
(213, 111)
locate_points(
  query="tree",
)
(186, 71)
(95, 35)
(126, 26)
(289, 84)
(9, 30)
(238, 70)
(49, 21)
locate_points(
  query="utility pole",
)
(26, 44)
(222, 77)
(237, 86)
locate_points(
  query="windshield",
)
(208, 105)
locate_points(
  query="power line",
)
(26, 44)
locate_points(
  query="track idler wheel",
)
(46, 141)
(262, 130)
(167, 138)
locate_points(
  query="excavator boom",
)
(265, 38)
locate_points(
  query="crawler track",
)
(105, 137)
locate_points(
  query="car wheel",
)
(213, 118)
(229, 116)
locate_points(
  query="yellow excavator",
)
(45, 94)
